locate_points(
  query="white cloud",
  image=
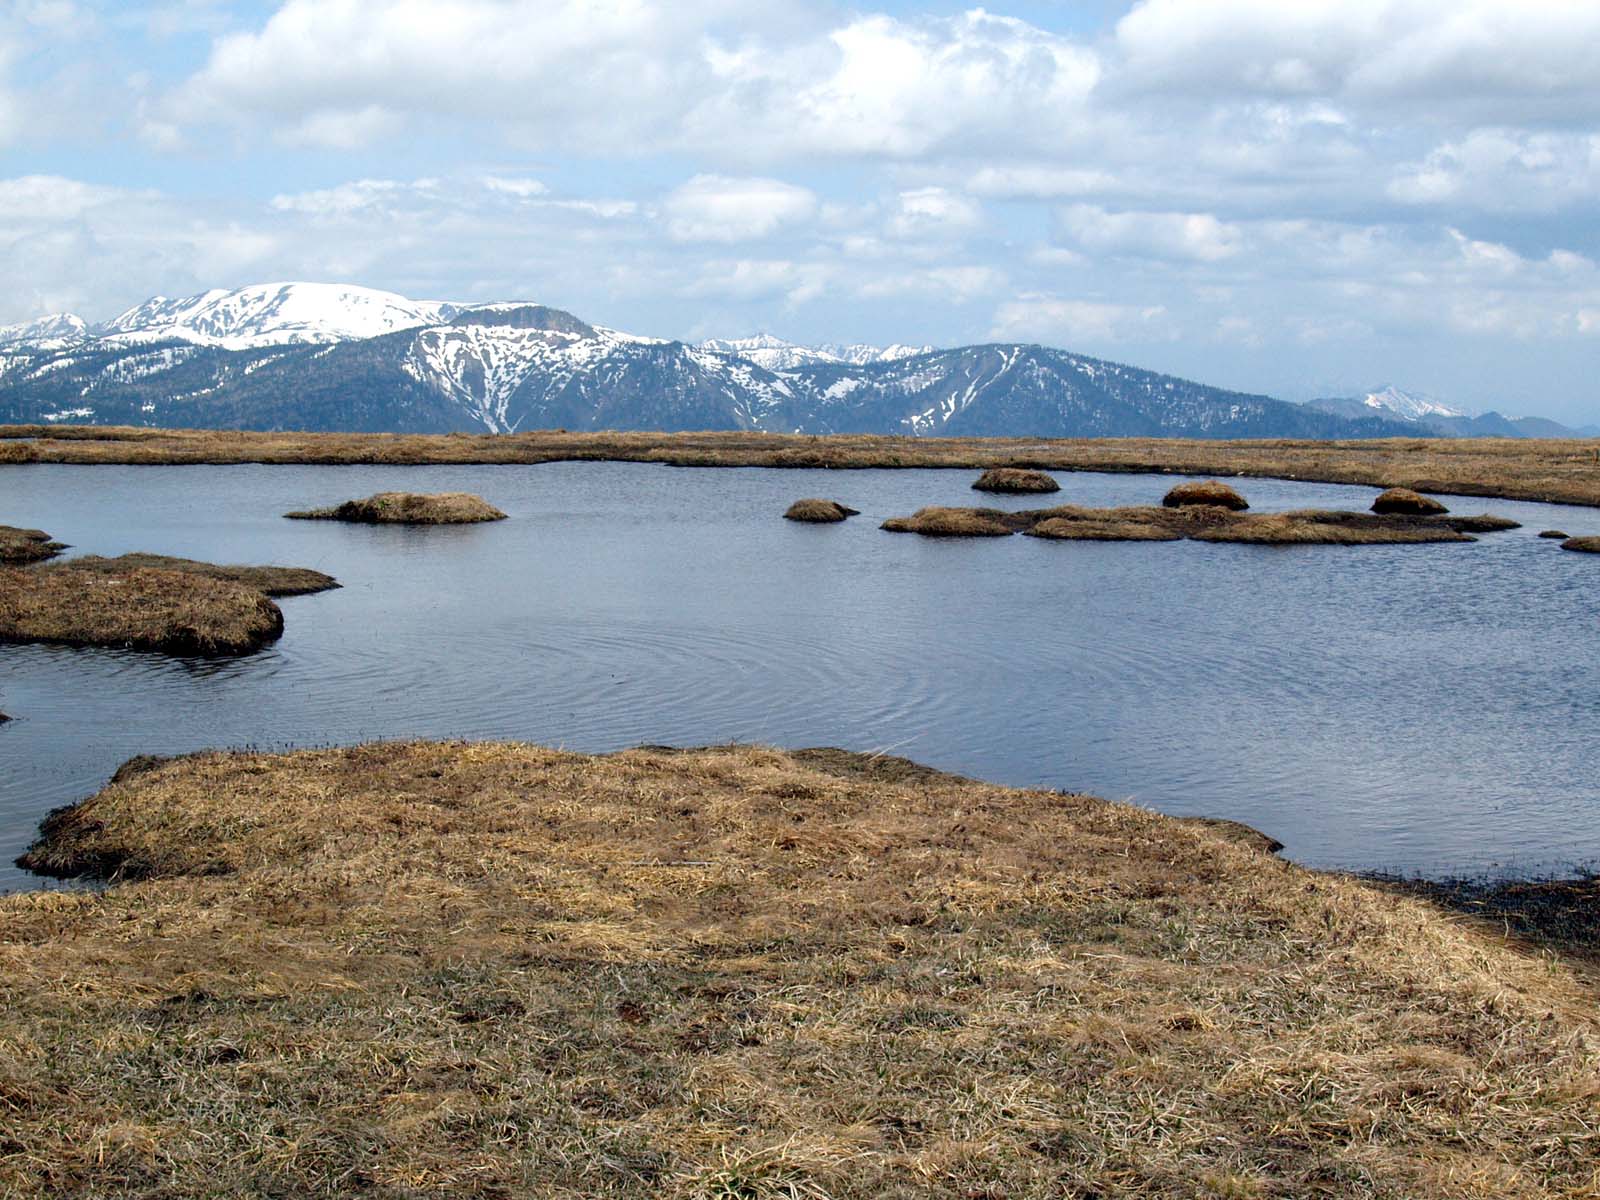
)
(1504, 170)
(1040, 182)
(899, 89)
(52, 198)
(360, 195)
(717, 208)
(1468, 51)
(933, 212)
(759, 279)
(1067, 322)
(1199, 237)
(521, 188)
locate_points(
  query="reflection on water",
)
(1416, 707)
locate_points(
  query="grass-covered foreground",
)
(499, 970)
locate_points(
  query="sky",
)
(1304, 199)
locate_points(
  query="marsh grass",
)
(1407, 502)
(1198, 521)
(1210, 493)
(407, 508)
(1548, 470)
(21, 546)
(1584, 545)
(490, 970)
(819, 511)
(269, 580)
(174, 612)
(1015, 480)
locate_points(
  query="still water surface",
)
(1429, 708)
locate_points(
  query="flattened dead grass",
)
(1560, 471)
(1015, 480)
(21, 546)
(408, 508)
(495, 970)
(1208, 492)
(1202, 522)
(818, 511)
(174, 612)
(270, 581)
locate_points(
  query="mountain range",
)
(337, 357)
(1431, 417)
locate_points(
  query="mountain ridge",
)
(331, 356)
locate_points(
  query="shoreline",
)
(487, 968)
(1522, 903)
(1546, 471)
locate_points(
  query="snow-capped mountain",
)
(56, 331)
(310, 356)
(1411, 406)
(1431, 417)
(776, 354)
(273, 314)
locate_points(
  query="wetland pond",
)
(1424, 708)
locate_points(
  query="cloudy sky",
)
(1301, 199)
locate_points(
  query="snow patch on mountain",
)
(775, 354)
(1410, 406)
(273, 314)
(57, 331)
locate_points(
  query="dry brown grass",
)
(938, 521)
(819, 511)
(1584, 545)
(20, 546)
(1015, 480)
(1556, 534)
(502, 971)
(270, 581)
(1209, 492)
(175, 612)
(408, 508)
(1202, 522)
(1560, 471)
(1407, 502)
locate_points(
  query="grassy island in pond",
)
(174, 612)
(1584, 545)
(270, 581)
(1014, 480)
(816, 511)
(1202, 522)
(21, 546)
(407, 508)
(490, 970)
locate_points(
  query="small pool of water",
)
(1415, 708)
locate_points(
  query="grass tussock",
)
(1556, 534)
(819, 511)
(408, 508)
(21, 546)
(1407, 502)
(488, 970)
(1015, 480)
(1207, 523)
(1209, 492)
(1560, 471)
(937, 521)
(174, 612)
(269, 581)
(1584, 545)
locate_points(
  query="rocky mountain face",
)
(332, 357)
